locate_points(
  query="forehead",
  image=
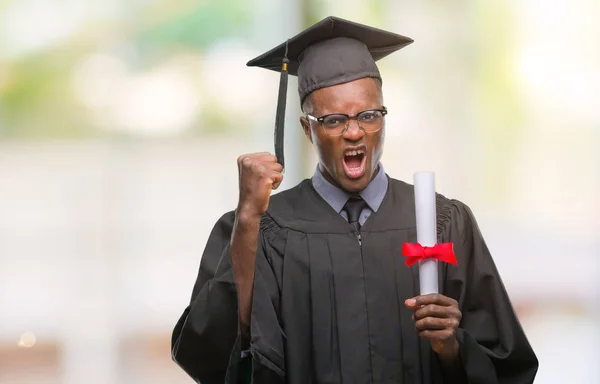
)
(351, 97)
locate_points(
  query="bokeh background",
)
(121, 122)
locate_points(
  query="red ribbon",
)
(442, 252)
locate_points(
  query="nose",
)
(354, 132)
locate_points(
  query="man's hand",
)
(436, 319)
(259, 174)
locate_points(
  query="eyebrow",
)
(343, 113)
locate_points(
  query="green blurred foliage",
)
(36, 100)
(194, 25)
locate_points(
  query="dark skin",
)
(436, 316)
(352, 97)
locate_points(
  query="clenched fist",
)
(259, 173)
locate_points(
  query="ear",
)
(306, 128)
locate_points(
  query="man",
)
(310, 285)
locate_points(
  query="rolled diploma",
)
(426, 228)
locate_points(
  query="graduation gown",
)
(328, 309)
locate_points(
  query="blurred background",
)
(121, 122)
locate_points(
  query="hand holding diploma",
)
(436, 316)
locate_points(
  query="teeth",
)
(355, 153)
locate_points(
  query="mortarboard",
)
(333, 51)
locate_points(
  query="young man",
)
(310, 285)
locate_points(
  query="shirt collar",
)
(373, 194)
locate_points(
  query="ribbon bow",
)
(442, 252)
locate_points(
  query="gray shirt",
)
(373, 194)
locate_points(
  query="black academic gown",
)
(327, 309)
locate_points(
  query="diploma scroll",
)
(426, 229)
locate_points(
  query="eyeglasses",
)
(337, 124)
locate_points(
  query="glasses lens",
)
(370, 120)
(335, 124)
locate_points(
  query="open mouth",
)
(354, 163)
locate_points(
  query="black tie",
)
(353, 208)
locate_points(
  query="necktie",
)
(353, 208)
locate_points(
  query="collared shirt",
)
(373, 194)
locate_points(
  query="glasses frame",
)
(349, 117)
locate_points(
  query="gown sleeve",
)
(493, 345)
(206, 341)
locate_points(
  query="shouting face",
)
(349, 160)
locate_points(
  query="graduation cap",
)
(331, 52)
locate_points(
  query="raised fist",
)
(259, 173)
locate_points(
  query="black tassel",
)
(280, 114)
